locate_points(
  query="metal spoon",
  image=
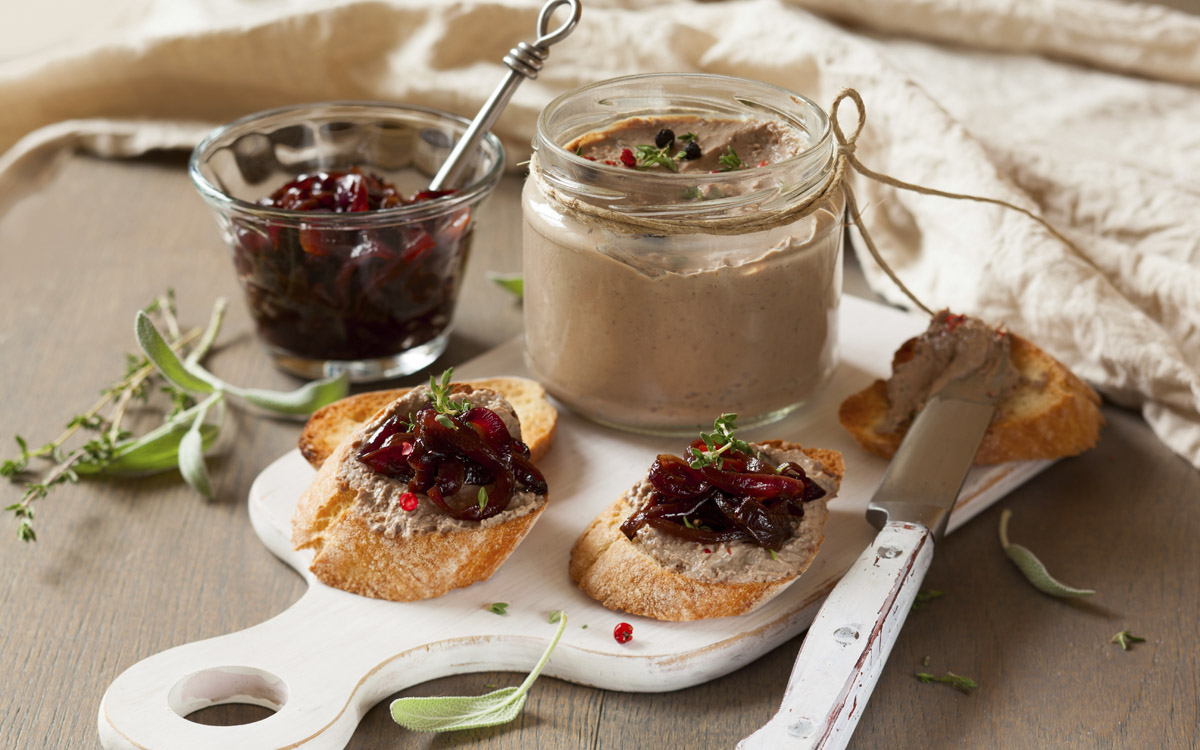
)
(524, 61)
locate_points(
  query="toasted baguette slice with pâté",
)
(1050, 414)
(629, 575)
(329, 426)
(365, 542)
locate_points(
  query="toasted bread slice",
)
(330, 425)
(349, 555)
(621, 575)
(1052, 413)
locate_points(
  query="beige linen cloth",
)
(1084, 111)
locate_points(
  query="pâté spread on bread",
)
(436, 463)
(715, 533)
(953, 347)
(1043, 411)
(431, 493)
(665, 279)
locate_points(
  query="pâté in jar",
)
(682, 251)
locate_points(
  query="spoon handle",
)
(524, 61)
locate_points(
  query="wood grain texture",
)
(126, 569)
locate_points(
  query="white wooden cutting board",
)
(331, 656)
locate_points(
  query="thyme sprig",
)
(717, 442)
(1125, 639)
(446, 407)
(649, 156)
(957, 681)
(185, 432)
(729, 160)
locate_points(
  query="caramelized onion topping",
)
(438, 460)
(747, 499)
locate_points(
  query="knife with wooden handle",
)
(849, 642)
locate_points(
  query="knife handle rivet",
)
(887, 552)
(802, 728)
(846, 634)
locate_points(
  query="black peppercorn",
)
(691, 151)
(664, 138)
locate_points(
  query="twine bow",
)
(844, 158)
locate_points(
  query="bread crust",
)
(1051, 415)
(350, 556)
(619, 574)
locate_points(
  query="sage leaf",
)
(1032, 568)
(143, 456)
(191, 376)
(191, 452)
(445, 714)
(513, 284)
(159, 352)
(157, 450)
(304, 400)
(210, 333)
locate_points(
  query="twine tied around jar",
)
(844, 159)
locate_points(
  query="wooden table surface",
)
(125, 569)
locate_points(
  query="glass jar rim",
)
(465, 196)
(656, 194)
(822, 141)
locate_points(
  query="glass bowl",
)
(372, 292)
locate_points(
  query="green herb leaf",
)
(1125, 638)
(687, 137)
(192, 377)
(442, 403)
(924, 596)
(451, 713)
(159, 352)
(958, 682)
(514, 283)
(499, 608)
(649, 156)
(304, 400)
(483, 497)
(210, 334)
(720, 440)
(156, 451)
(1032, 568)
(191, 451)
(729, 160)
(12, 467)
(555, 616)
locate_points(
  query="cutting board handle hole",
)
(221, 685)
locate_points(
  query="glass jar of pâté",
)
(682, 251)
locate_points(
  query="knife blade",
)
(849, 641)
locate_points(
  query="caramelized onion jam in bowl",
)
(682, 251)
(348, 263)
